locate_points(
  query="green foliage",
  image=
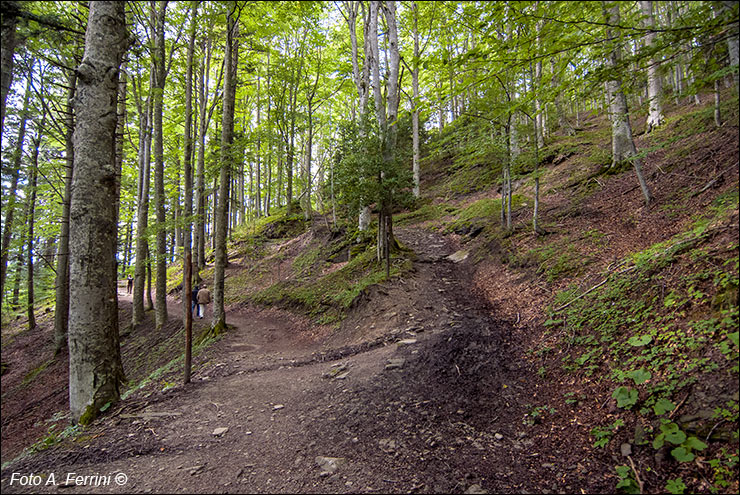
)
(627, 483)
(626, 397)
(663, 406)
(363, 175)
(603, 435)
(327, 297)
(675, 486)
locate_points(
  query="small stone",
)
(457, 257)
(219, 431)
(328, 465)
(498, 436)
(406, 342)
(626, 449)
(395, 363)
(277, 407)
(476, 489)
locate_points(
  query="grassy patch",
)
(327, 297)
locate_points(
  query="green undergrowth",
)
(327, 297)
(661, 332)
(157, 377)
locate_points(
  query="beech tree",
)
(226, 163)
(95, 369)
(623, 145)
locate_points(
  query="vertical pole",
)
(187, 296)
(387, 248)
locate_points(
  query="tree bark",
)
(30, 220)
(95, 369)
(200, 205)
(61, 303)
(188, 204)
(654, 84)
(415, 114)
(7, 49)
(732, 40)
(227, 139)
(623, 146)
(160, 306)
(142, 215)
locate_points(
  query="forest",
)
(567, 171)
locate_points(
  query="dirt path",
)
(436, 399)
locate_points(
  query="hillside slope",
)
(601, 355)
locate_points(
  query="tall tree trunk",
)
(539, 117)
(188, 203)
(14, 171)
(200, 204)
(258, 198)
(61, 303)
(623, 146)
(7, 49)
(654, 82)
(141, 263)
(227, 139)
(732, 40)
(95, 369)
(415, 114)
(30, 220)
(160, 307)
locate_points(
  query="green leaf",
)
(639, 341)
(662, 406)
(682, 454)
(623, 471)
(673, 433)
(640, 376)
(626, 397)
(659, 441)
(676, 437)
(734, 337)
(676, 486)
(694, 443)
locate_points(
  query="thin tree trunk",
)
(188, 204)
(30, 220)
(142, 264)
(61, 304)
(160, 307)
(258, 198)
(717, 112)
(200, 234)
(415, 103)
(95, 369)
(227, 139)
(20, 261)
(14, 171)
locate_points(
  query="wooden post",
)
(387, 248)
(187, 298)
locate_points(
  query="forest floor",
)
(435, 403)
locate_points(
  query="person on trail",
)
(204, 297)
(194, 301)
(130, 284)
